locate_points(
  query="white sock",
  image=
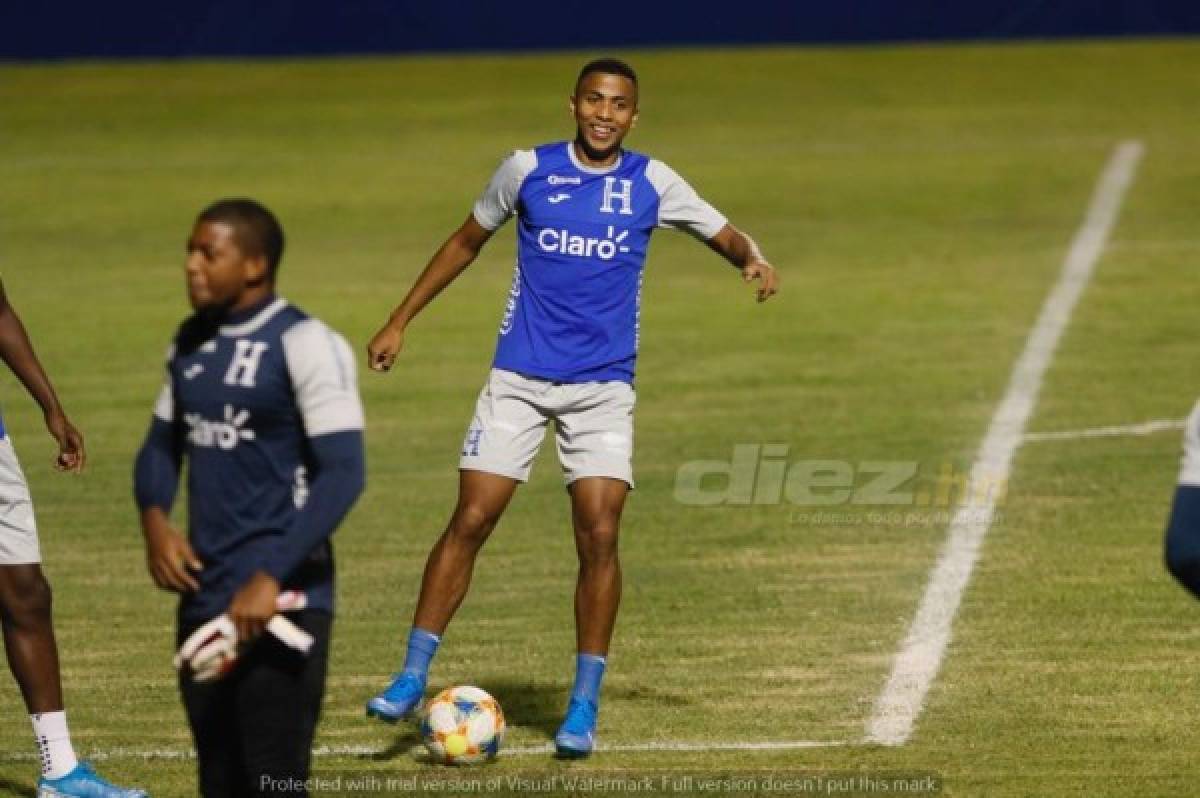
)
(54, 744)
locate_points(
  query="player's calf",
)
(25, 609)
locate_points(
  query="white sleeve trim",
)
(321, 365)
(1190, 474)
(499, 200)
(679, 205)
(164, 406)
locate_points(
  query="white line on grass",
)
(920, 656)
(1145, 428)
(682, 746)
(322, 751)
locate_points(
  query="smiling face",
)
(220, 275)
(605, 108)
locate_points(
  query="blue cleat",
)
(577, 736)
(401, 699)
(83, 782)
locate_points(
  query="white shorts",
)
(593, 427)
(18, 530)
(1190, 473)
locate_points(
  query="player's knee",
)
(27, 598)
(597, 541)
(472, 523)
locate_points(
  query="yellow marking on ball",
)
(456, 744)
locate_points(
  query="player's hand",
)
(253, 605)
(71, 453)
(384, 347)
(169, 556)
(210, 652)
(213, 650)
(761, 270)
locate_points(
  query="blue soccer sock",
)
(589, 672)
(422, 646)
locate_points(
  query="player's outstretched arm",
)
(460, 249)
(740, 250)
(17, 352)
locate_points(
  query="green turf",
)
(918, 200)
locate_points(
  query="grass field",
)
(919, 202)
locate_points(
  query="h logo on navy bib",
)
(244, 365)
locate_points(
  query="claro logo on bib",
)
(563, 242)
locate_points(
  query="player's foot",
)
(83, 782)
(577, 736)
(401, 699)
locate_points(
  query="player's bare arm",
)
(169, 557)
(740, 250)
(460, 249)
(17, 352)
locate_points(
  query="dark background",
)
(49, 29)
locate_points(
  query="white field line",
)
(101, 755)
(669, 745)
(1144, 428)
(920, 655)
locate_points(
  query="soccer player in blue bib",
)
(263, 402)
(25, 603)
(566, 352)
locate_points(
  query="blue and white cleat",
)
(577, 736)
(401, 699)
(84, 782)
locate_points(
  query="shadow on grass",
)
(541, 706)
(407, 737)
(534, 706)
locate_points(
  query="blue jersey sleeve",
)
(339, 476)
(157, 466)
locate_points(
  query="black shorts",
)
(254, 729)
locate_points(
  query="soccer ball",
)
(462, 726)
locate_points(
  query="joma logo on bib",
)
(563, 242)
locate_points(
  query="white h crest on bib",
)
(625, 195)
(244, 366)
